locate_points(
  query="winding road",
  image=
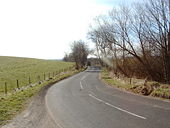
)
(83, 101)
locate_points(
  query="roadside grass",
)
(114, 82)
(14, 104)
(162, 91)
(21, 69)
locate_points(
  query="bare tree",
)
(141, 32)
(80, 51)
(68, 57)
(157, 29)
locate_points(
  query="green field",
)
(21, 69)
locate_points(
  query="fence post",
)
(17, 84)
(5, 88)
(38, 79)
(49, 75)
(29, 80)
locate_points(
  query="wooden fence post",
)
(17, 84)
(49, 75)
(38, 78)
(130, 80)
(29, 80)
(5, 88)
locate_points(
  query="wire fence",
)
(7, 89)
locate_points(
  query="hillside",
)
(16, 68)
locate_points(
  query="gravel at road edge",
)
(35, 116)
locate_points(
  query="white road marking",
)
(120, 109)
(59, 126)
(92, 93)
(52, 114)
(81, 86)
(95, 98)
(83, 77)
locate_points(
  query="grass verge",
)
(154, 89)
(114, 82)
(14, 104)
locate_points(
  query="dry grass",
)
(151, 88)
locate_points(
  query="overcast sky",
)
(45, 28)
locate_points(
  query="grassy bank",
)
(13, 104)
(31, 75)
(114, 82)
(26, 71)
(137, 86)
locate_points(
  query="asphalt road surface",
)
(83, 101)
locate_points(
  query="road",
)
(83, 101)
